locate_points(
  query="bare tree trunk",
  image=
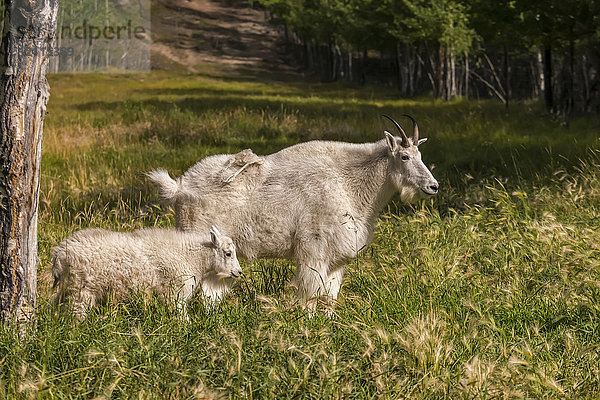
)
(350, 72)
(331, 67)
(419, 65)
(534, 79)
(466, 75)
(439, 91)
(489, 85)
(339, 64)
(363, 67)
(540, 65)
(400, 66)
(571, 101)
(586, 84)
(452, 73)
(412, 63)
(506, 77)
(430, 74)
(548, 95)
(24, 62)
(496, 77)
(447, 76)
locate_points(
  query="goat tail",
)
(169, 188)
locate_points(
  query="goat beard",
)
(411, 194)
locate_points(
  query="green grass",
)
(491, 289)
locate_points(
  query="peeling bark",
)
(27, 40)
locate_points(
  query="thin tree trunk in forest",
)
(350, 72)
(410, 51)
(363, 67)
(586, 83)
(489, 85)
(419, 64)
(447, 76)
(430, 74)
(399, 67)
(332, 63)
(540, 65)
(466, 75)
(506, 77)
(496, 77)
(571, 73)
(27, 40)
(339, 72)
(439, 82)
(452, 73)
(534, 79)
(547, 61)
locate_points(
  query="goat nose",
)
(434, 188)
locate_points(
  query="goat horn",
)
(404, 137)
(415, 129)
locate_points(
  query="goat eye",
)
(405, 158)
(228, 254)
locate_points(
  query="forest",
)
(508, 49)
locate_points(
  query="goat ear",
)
(392, 144)
(422, 141)
(215, 236)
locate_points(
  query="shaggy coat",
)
(315, 202)
(94, 264)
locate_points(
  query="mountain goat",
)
(93, 264)
(315, 202)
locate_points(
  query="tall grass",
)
(489, 290)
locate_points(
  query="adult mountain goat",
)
(315, 202)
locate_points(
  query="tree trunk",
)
(586, 84)
(350, 72)
(410, 54)
(446, 75)
(401, 79)
(466, 75)
(540, 65)
(506, 77)
(547, 61)
(432, 79)
(27, 40)
(571, 104)
(439, 83)
(452, 73)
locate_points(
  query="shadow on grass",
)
(498, 147)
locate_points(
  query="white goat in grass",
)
(315, 202)
(95, 264)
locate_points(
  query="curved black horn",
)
(415, 129)
(404, 137)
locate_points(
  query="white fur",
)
(315, 202)
(94, 264)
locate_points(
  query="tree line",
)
(510, 49)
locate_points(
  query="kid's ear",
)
(391, 141)
(215, 236)
(422, 141)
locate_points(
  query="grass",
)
(489, 290)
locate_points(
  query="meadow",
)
(491, 289)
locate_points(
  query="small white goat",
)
(94, 265)
(315, 202)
